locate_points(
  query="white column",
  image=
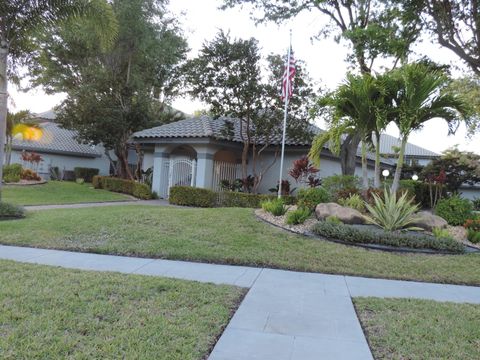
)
(159, 159)
(204, 170)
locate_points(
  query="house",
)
(200, 152)
(414, 155)
(58, 147)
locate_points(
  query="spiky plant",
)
(391, 213)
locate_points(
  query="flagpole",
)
(287, 67)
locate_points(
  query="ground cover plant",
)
(222, 235)
(420, 329)
(57, 192)
(57, 313)
(359, 235)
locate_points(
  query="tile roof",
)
(56, 139)
(388, 142)
(204, 126)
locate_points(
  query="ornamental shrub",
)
(130, 187)
(297, 216)
(12, 173)
(247, 200)
(337, 184)
(455, 210)
(28, 174)
(354, 201)
(310, 197)
(359, 235)
(10, 211)
(84, 173)
(276, 207)
(476, 204)
(192, 196)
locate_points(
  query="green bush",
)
(86, 174)
(354, 201)
(473, 236)
(455, 210)
(341, 185)
(276, 207)
(333, 219)
(353, 234)
(476, 204)
(391, 213)
(12, 173)
(247, 200)
(192, 196)
(441, 233)
(310, 197)
(10, 211)
(297, 216)
(130, 187)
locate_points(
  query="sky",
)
(325, 61)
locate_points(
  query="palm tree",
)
(356, 108)
(20, 20)
(421, 94)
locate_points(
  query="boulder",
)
(428, 221)
(345, 214)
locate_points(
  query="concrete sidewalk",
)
(285, 315)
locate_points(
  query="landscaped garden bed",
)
(420, 329)
(57, 313)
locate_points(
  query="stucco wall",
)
(65, 162)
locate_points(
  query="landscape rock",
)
(428, 221)
(345, 214)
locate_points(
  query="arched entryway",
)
(179, 169)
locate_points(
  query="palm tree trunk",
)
(364, 166)
(398, 170)
(3, 106)
(377, 181)
(348, 154)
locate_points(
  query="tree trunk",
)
(377, 181)
(3, 106)
(122, 160)
(364, 167)
(8, 151)
(398, 170)
(348, 154)
(246, 147)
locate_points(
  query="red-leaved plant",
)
(304, 171)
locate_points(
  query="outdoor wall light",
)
(385, 173)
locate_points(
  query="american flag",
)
(287, 79)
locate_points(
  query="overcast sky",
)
(325, 60)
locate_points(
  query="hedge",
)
(138, 190)
(353, 234)
(192, 196)
(10, 211)
(12, 173)
(247, 200)
(84, 173)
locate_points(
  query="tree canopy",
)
(228, 75)
(116, 90)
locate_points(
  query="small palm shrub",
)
(354, 201)
(10, 211)
(298, 216)
(276, 207)
(309, 198)
(440, 233)
(455, 210)
(391, 213)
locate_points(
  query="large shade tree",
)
(21, 21)
(229, 77)
(373, 30)
(420, 93)
(116, 90)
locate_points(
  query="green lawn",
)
(53, 313)
(57, 192)
(419, 329)
(222, 235)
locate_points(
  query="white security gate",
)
(180, 172)
(224, 171)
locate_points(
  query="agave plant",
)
(391, 213)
